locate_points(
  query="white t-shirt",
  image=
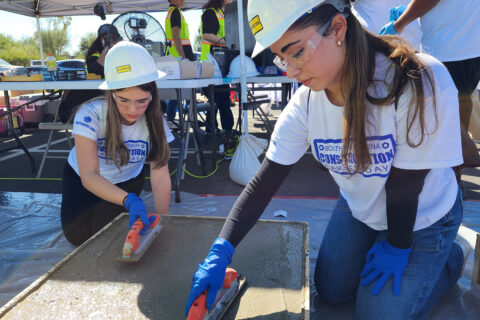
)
(375, 14)
(451, 30)
(319, 125)
(90, 122)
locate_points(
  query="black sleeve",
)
(402, 190)
(210, 22)
(93, 66)
(175, 20)
(253, 200)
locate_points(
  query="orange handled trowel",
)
(135, 244)
(232, 285)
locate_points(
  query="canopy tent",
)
(55, 8)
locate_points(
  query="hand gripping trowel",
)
(135, 244)
(232, 285)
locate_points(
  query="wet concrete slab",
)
(90, 284)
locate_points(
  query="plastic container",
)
(17, 117)
(32, 112)
(51, 62)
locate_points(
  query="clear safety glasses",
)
(126, 103)
(303, 54)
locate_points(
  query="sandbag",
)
(245, 159)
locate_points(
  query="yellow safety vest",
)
(183, 32)
(220, 33)
(94, 55)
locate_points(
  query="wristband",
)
(123, 202)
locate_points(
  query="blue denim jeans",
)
(434, 266)
(171, 111)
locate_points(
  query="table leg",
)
(194, 117)
(213, 115)
(178, 174)
(17, 139)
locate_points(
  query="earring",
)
(339, 43)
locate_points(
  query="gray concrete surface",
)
(90, 284)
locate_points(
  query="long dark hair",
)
(116, 149)
(96, 46)
(358, 71)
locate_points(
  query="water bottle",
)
(51, 62)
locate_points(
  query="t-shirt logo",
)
(87, 119)
(381, 149)
(138, 150)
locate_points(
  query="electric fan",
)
(141, 28)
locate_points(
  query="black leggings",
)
(83, 213)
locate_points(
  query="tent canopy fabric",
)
(56, 8)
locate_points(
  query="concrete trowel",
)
(136, 244)
(232, 285)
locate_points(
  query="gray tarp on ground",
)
(31, 242)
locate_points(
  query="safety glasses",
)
(126, 103)
(298, 59)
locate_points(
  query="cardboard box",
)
(176, 69)
(205, 69)
(16, 93)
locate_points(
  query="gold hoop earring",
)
(339, 43)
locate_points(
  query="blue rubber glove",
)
(388, 29)
(396, 12)
(211, 273)
(384, 261)
(136, 210)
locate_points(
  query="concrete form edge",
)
(37, 283)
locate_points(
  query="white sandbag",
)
(245, 159)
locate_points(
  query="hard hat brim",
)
(121, 84)
(257, 49)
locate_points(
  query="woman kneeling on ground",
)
(384, 121)
(114, 136)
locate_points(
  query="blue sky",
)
(19, 26)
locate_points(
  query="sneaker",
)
(462, 242)
(231, 141)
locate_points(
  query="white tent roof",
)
(55, 8)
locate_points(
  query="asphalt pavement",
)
(306, 180)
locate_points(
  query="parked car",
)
(36, 63)
(71, 64)
(6, 67)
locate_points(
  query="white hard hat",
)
(236, 65)
(269, 20)
(128, 64)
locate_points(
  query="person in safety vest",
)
(384, 120)
(114, 136)
(176, 30)
(95, 61)
(98, 49)
(178, 42)
(212, 29)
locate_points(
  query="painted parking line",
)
(41, 149)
